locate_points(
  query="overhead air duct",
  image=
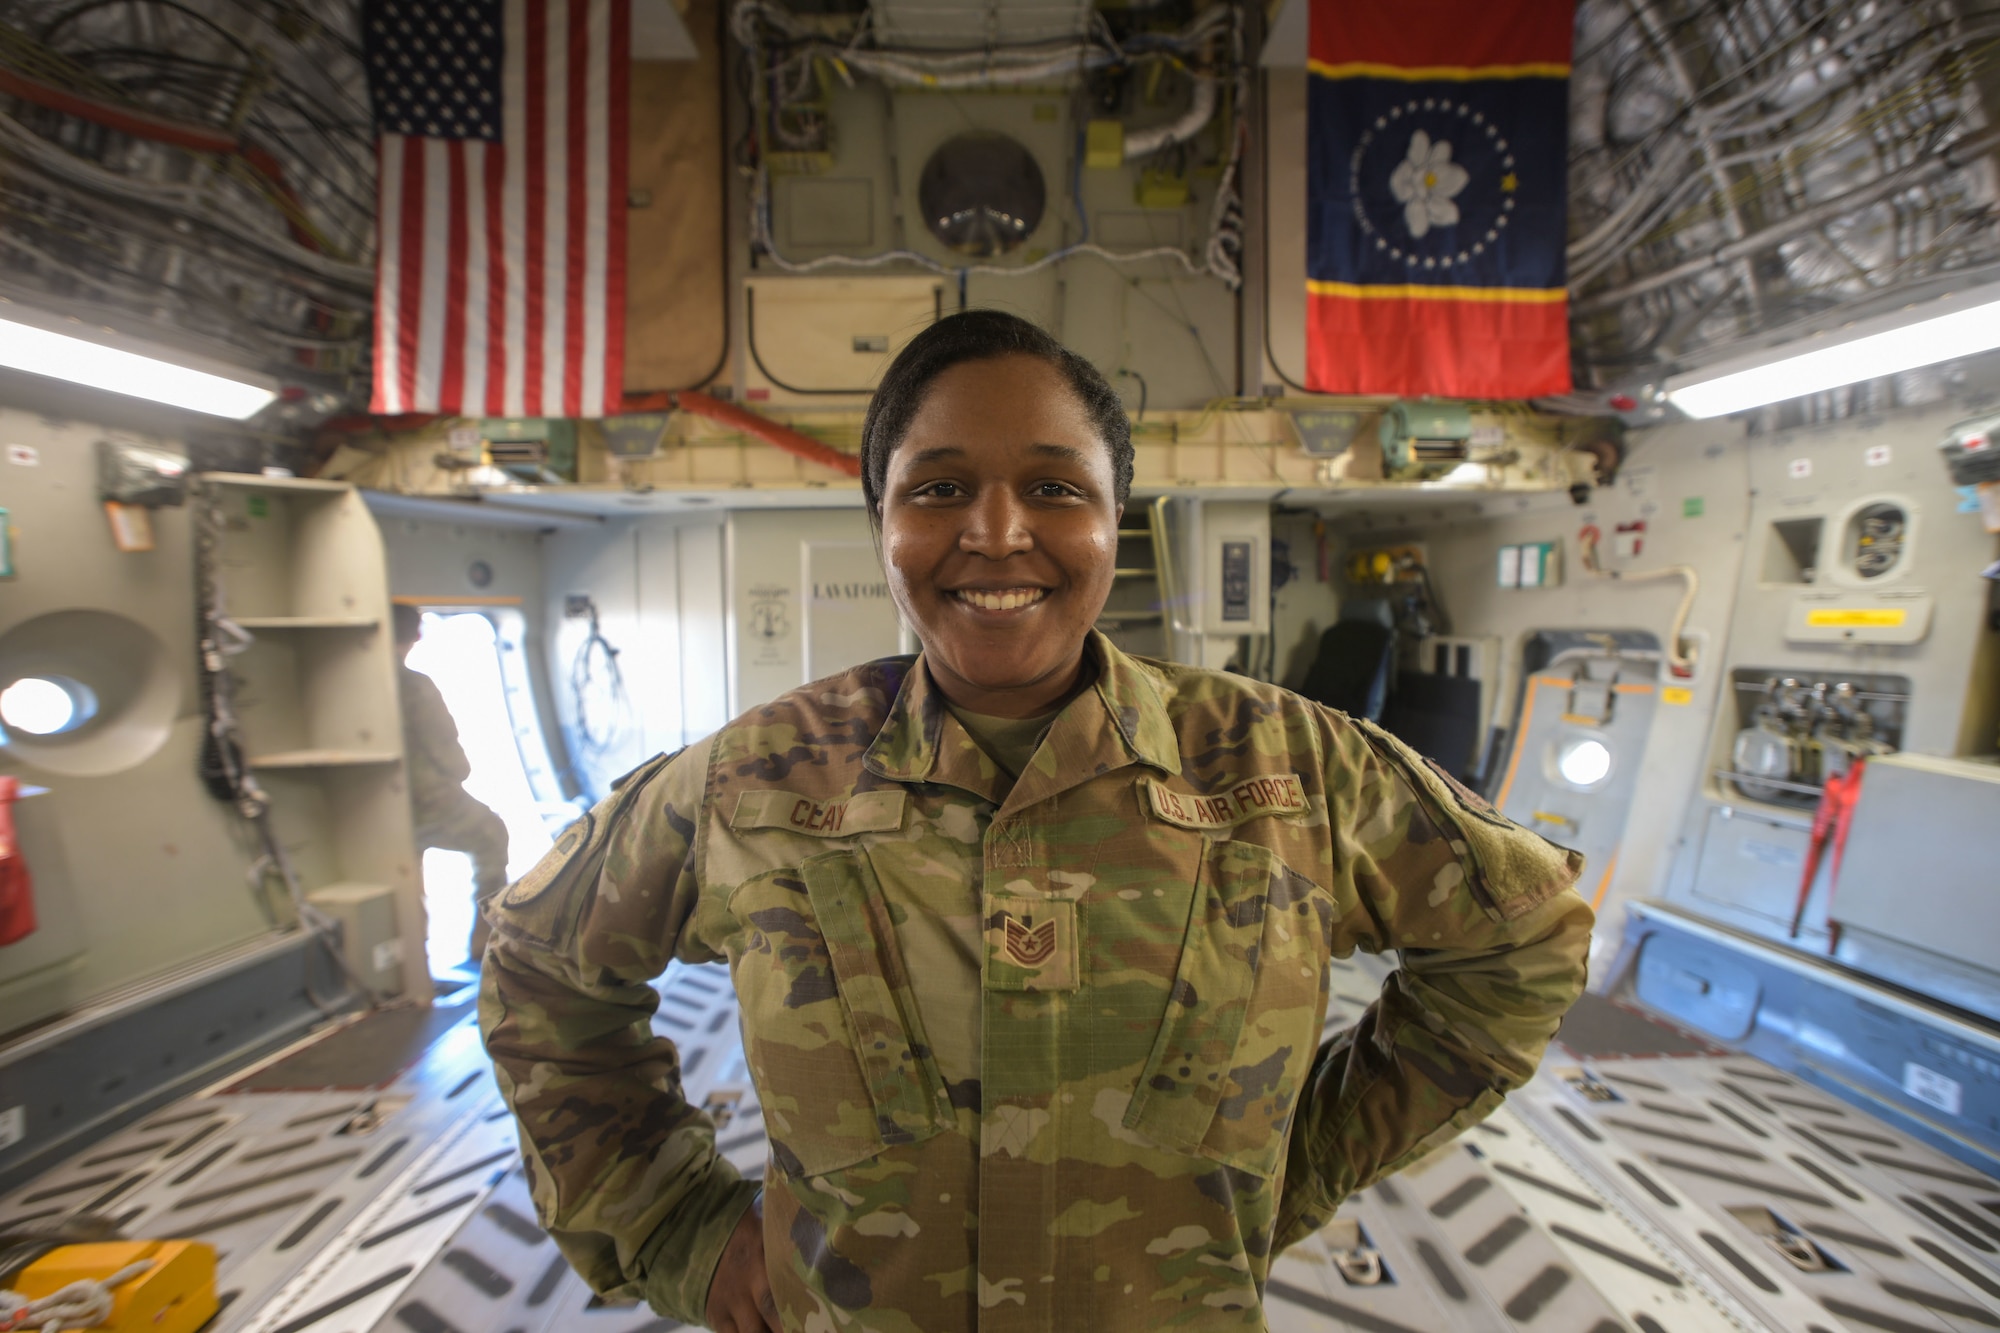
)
(982, 194)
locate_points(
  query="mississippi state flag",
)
(1435, 207)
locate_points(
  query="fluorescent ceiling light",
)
(1923, 335)
(59, 355)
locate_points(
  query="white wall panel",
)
(806, 599)
(704, 630)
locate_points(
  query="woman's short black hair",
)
(978, 335)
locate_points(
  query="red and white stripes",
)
(500, 278)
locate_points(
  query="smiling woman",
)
(999, 528)
(1030, 937)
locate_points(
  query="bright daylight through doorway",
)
(460, 651)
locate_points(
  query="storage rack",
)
(302, 572)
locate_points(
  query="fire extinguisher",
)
(17, 890)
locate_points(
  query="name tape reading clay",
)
(869, 812)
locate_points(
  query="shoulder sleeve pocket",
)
(641, 834)
(1512, 869)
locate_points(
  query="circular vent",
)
(982, 194)
(1876, 536)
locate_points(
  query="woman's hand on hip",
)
(739, 1295)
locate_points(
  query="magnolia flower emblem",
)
(1426, 182)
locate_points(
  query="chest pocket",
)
(1243, 1019)
(832, 1034)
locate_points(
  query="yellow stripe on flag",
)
(1365, 69)
(1421, 292)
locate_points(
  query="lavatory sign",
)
(849, 615)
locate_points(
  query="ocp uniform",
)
(1036, 1057)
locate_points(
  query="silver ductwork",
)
(1742, 166)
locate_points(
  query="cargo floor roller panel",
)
(1646, 1181)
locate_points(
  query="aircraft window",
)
(1583, 761)
(46, 705)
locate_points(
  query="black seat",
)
(1438, 717)
(1351, 672)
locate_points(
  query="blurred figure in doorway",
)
(444, 815)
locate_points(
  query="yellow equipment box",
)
(175, 1295)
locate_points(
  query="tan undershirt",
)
(1009, 742)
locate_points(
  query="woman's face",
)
(999, 533)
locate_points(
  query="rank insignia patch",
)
(1030, 944)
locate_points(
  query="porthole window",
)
(46, 705)
(1583, 761)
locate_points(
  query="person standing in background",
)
(442, 811)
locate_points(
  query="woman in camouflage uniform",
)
(1031, 937)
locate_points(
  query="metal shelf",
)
(306, 622)
(323, 759)
(256, 482)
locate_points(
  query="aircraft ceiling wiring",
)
(1742, 165)
(206, 164)
(784, 52)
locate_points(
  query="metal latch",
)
(1798, 1250)
(1590, 1087)
(371, 1115)
(721, 1103)
(1354, 1254)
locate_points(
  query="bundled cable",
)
(784, 52)
(81, 1304)
(217, 175)
(1738, 166)
(597, 691)
(1679, 656)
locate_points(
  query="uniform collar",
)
(1119, 720)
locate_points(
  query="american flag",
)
(501, 128)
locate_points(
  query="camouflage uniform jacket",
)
(438, 767)
(1160, 894)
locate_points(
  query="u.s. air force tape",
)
(1271, 794)
(867, 812)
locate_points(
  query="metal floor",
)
(1676, 1194)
